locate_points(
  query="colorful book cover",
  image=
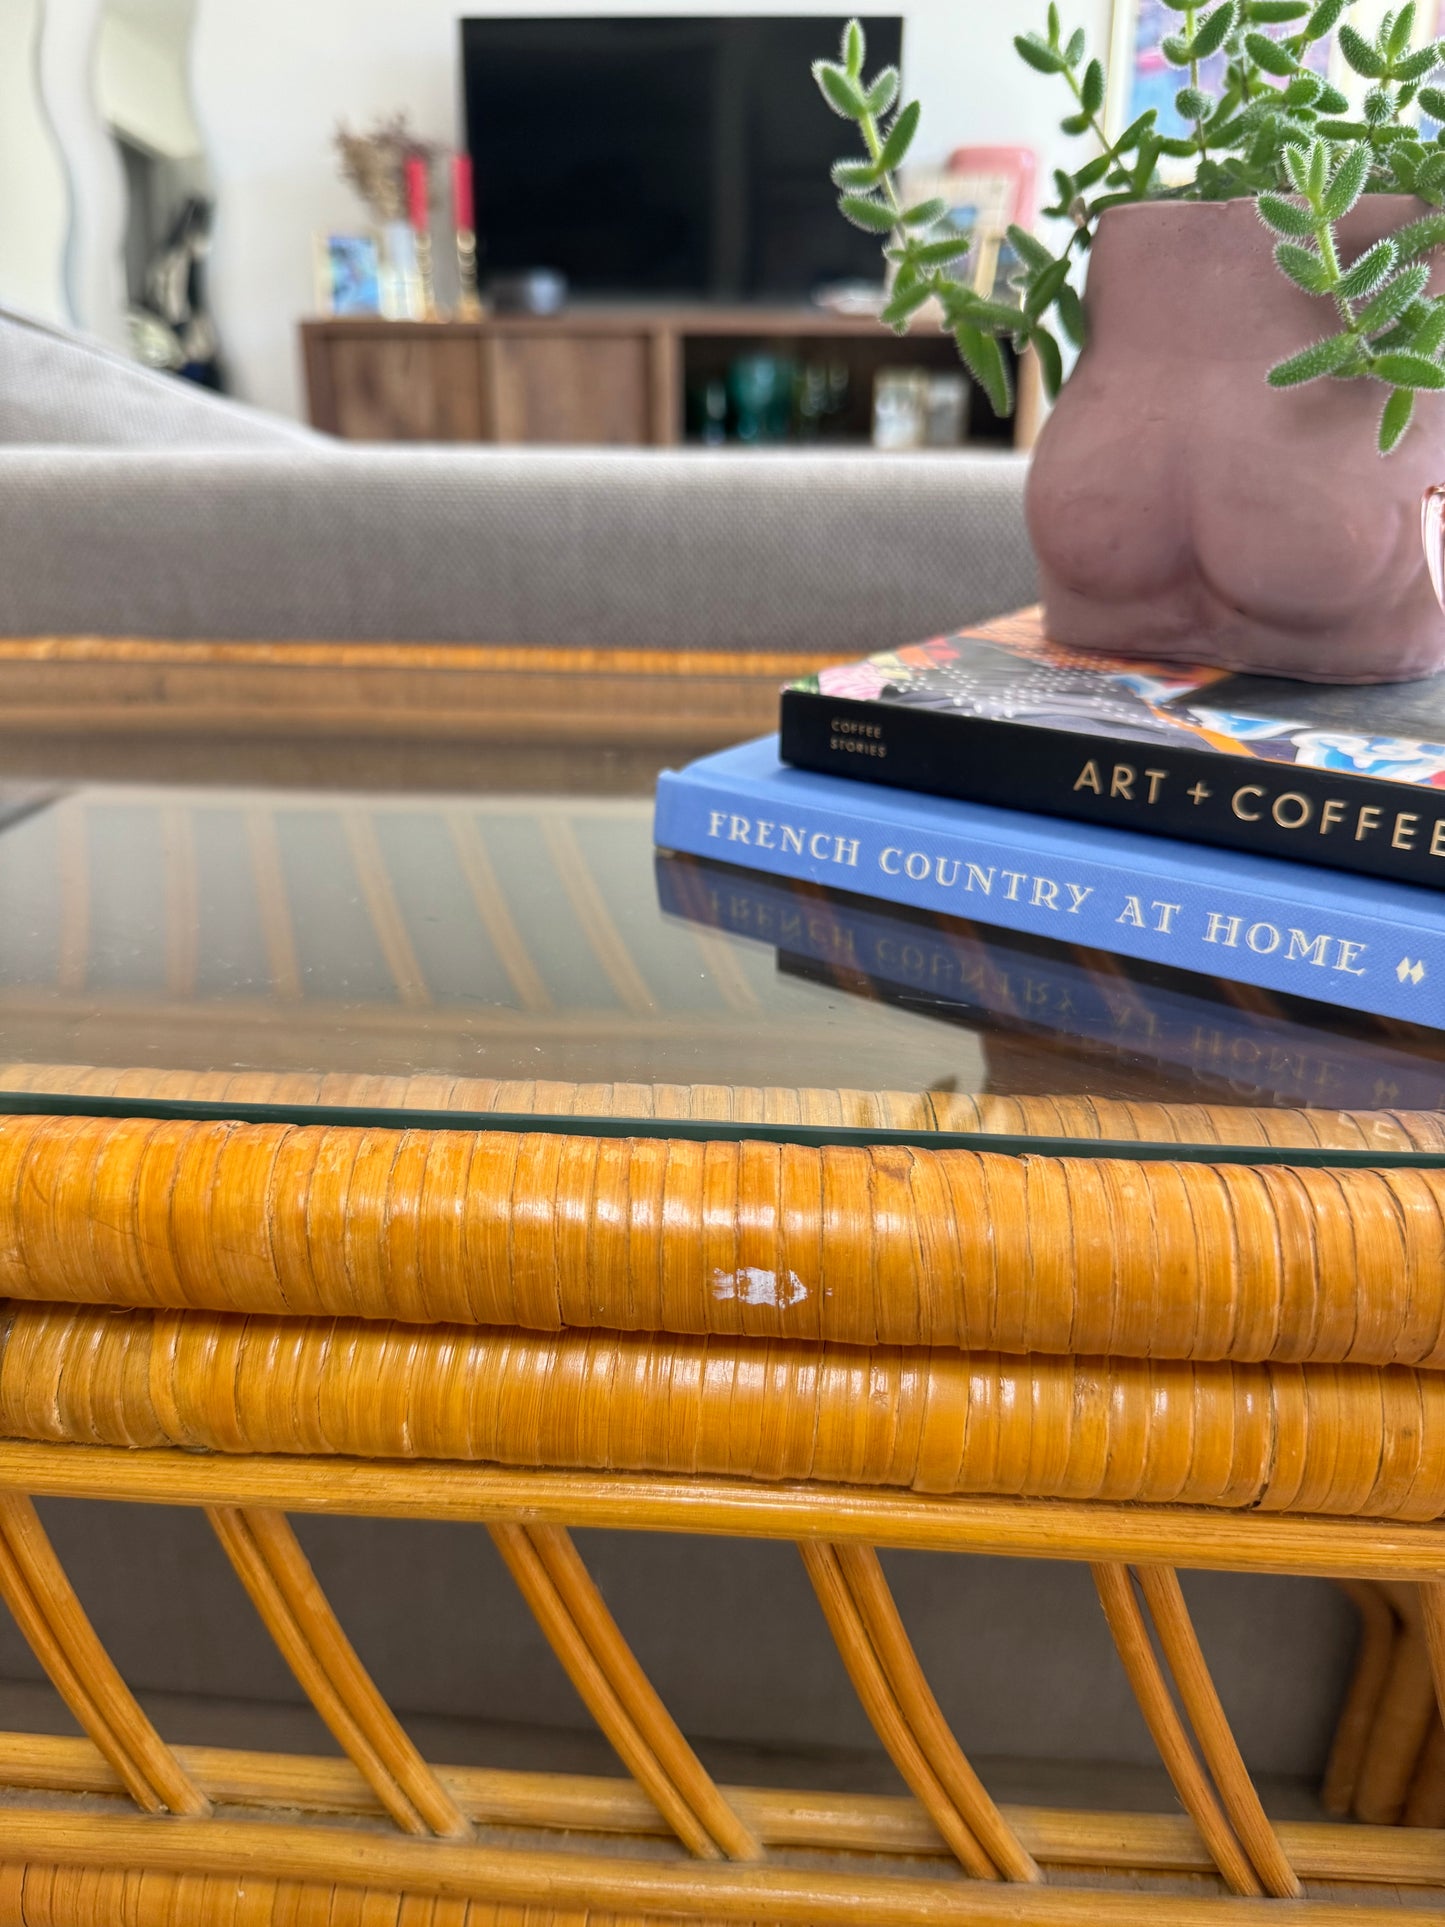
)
(1165, 1034)
(1352, 777)
(1370, 946)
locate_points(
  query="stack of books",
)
(1284, 835)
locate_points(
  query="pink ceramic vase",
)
(1183, 509)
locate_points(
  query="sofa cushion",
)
(64, 388)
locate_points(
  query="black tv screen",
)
(666, 156)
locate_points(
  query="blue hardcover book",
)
(1365, 945)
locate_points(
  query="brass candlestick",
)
(468, 305)
(425, 275)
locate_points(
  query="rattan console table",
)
(410, 1155)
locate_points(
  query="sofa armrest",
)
(729, 550)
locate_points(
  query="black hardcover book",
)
(1352, 777)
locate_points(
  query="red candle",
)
(463, 210)
(418, 196)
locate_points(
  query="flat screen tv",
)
(664, 156)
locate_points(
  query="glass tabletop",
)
(526, 959)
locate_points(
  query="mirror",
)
(142, 83)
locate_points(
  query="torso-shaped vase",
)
(1183, 509)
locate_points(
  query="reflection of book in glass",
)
(1170, 1033)
(1175, 1035)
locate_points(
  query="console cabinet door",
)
(554, 386)
(407, 387)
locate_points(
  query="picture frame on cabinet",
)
(348, 274)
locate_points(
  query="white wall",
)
(273, 78)
(140, 82)
(34, 191)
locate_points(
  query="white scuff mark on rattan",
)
(755, 1285)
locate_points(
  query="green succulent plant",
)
(1274, 131)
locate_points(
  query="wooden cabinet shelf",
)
(611, 376)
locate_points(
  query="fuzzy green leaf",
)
(1348, 184)
(1432, 99)
(986, 364)
(1285, 217)
(1409, 371)
(1029, 250)
(1405, 161)
(1319, 160)
(1074, 52)
(900, 137)
(854, 174)
(1053, 20)
(1135, 132)
(864, 211)
(1406, 330)
(842, 94)
(1303, 91)
(937, 254)
(1051, 362)
(924, 213)
(1214, 30)
(1145, 162)
(1321, 358)
(1397, 34)
(1392, 301)
(1360, 54)
(1343, 130)
(1396, 419)
(1191, 103)
(1379, 106)
(854, 49)
(882, 91)
(1075, 123)
(1297, 165)
(965, 305)
(1429, 336)
(903, 302)
(1332, 101)
(1175, 49)
(1092, 87)
(1303, 266)
(1431, 175)
(1418, 65)
(1071, 315)
(1272, 55)
(1369, 271)
(1041, 57)
(1276, 13)
(1419, 237)
(1324, 19)
(1092, 172)
(1043, 288)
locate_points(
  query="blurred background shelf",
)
(614, 376)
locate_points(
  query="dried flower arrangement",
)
(374, 164)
